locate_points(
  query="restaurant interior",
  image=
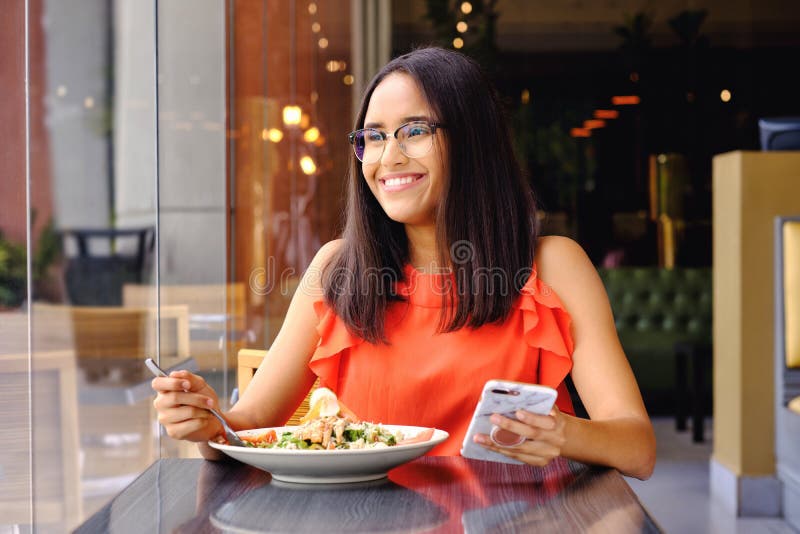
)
(168, 170)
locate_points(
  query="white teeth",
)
(399, 181)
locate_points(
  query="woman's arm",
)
(618, 433)
(283, 378)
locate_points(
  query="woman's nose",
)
(392, 153)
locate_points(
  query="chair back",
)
(249, 361)
(109, 339)
(217, 313)
(100, 261)
(202, 299)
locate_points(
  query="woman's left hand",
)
(544, 436)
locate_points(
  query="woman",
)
(439, 283)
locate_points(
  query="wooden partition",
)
(749, 190)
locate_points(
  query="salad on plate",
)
(329, 425)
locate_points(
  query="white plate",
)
(337, 466)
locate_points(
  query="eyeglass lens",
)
(415, 140)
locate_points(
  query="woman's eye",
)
(373, 137)
(416, 130)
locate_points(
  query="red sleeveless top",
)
(432, 379)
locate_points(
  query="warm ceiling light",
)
(334, 65)
(323, 43)
(62, 90)
(273, 134)
(312, 8)
(591, 124)
(316, 27)
(725, 95)
(311, 135)
(458, 42)
(462, 27)
(291, 115)
(580, 132)
(348, 79)
(307, 165)
(525, 97)
(466, 8)
(88, 102)
(606, 114)
(627, 100)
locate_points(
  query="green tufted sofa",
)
(655, 309)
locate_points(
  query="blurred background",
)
(169, 168)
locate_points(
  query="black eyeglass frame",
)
(434, 126)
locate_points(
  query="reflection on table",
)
(442, 494)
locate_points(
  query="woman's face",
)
(407, 189)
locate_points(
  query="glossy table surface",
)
(430, 494)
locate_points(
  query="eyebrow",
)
(404, 120)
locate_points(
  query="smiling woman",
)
(438, 284)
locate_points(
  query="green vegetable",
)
(353, 434)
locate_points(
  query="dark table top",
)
(430, 494)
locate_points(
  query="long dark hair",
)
(485, 218)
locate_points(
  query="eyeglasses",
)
(414, 138)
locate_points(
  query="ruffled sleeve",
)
(547, 327)
(334, 338)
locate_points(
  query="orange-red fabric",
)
(432, 379)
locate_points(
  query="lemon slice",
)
(323, 403)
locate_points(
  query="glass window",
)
(172, 182)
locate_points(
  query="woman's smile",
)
(400, 181)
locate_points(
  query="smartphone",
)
(505, 398)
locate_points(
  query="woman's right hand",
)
(182, 403)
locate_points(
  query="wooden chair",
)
(56, 470)
(217, 315)
(249, 361)
(102, 337)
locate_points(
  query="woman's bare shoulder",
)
(327, 252)
(555, 252)
(312, 278)
(563, 264)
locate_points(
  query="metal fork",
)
(230, 435)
